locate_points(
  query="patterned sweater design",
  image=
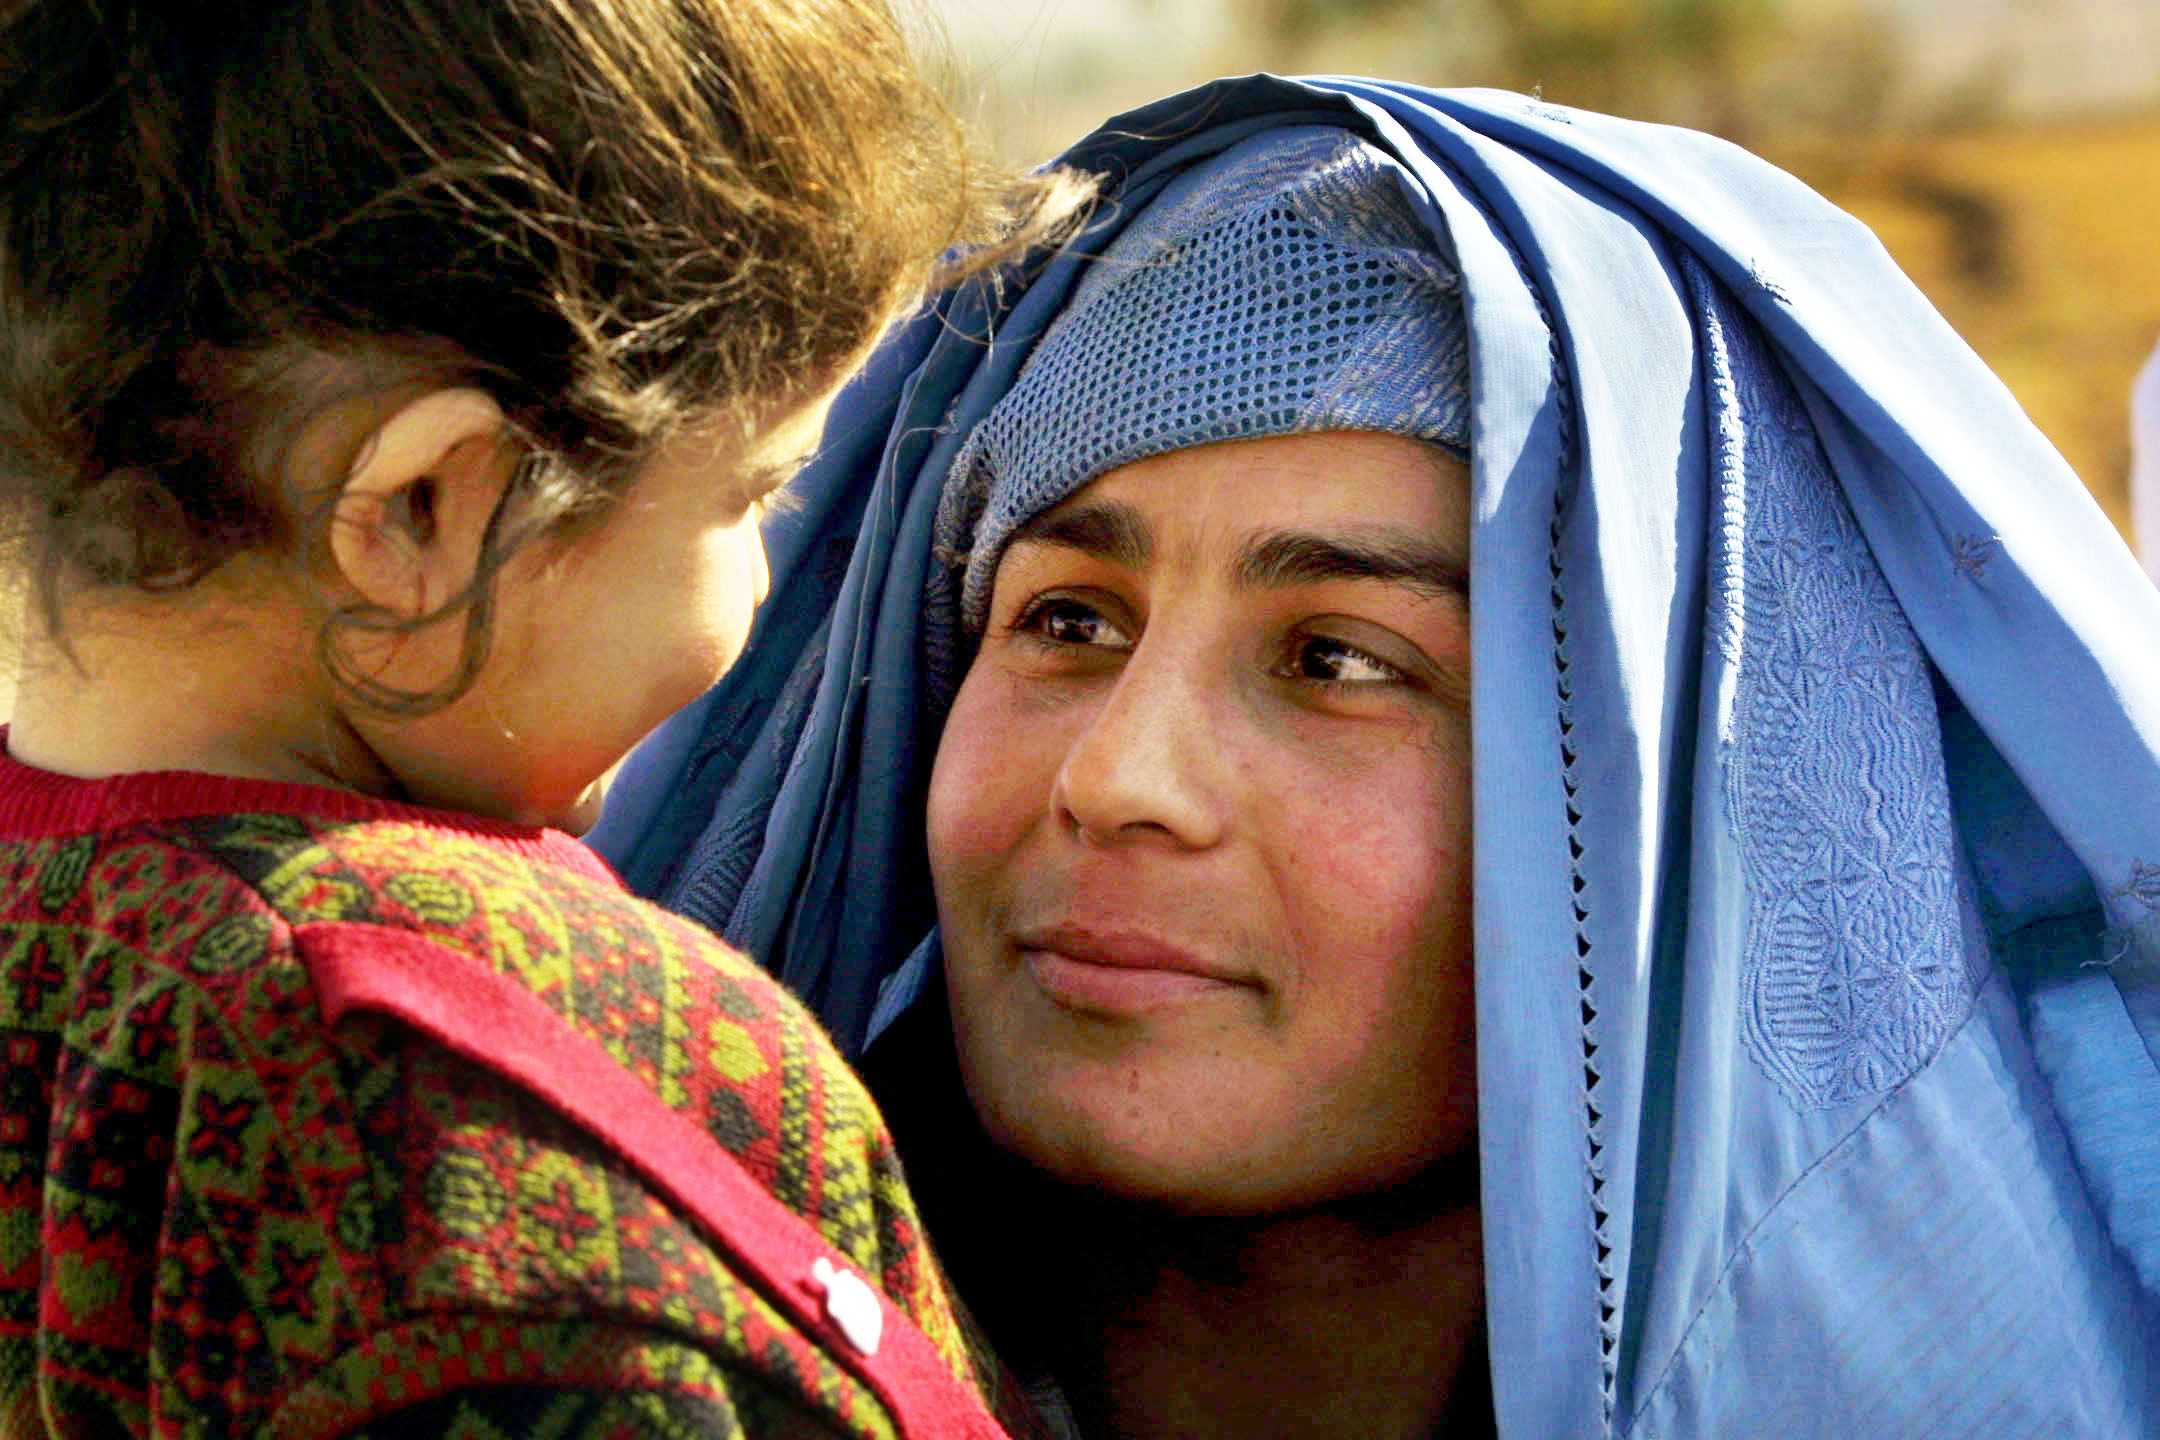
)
(220, 1215)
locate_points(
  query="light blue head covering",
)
(1817, 786)
(1282, 286)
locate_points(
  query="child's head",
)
(253, 253)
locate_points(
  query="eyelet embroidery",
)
(1972, 554)
(2143, 885)
(1594, 1161)
(1856, 970)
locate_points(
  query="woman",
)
(1816, 805)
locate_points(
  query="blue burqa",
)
(1817, 796)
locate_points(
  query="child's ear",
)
(414, 511)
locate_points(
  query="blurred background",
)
(2007, 151)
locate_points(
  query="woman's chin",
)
(1236, 1182)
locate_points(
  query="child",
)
(391, 389)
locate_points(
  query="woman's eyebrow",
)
(1298, 557)
(1107, 529)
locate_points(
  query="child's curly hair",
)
(612, 215)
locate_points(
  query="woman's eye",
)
(1329, 661)
(1062, 620)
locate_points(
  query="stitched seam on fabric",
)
(1594, 1163)
(1744, 1251)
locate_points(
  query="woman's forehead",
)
(1283, 288)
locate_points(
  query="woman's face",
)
(1200, 827)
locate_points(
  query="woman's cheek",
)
(1375, 862)
(980, 798)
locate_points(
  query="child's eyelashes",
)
(770, 487)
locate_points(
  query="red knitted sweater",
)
(229, 1207)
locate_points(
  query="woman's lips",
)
(1118, 974)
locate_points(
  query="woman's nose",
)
(1150, 759)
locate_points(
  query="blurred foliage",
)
(2037, 244)
(1742, 68)
(2034, 240)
